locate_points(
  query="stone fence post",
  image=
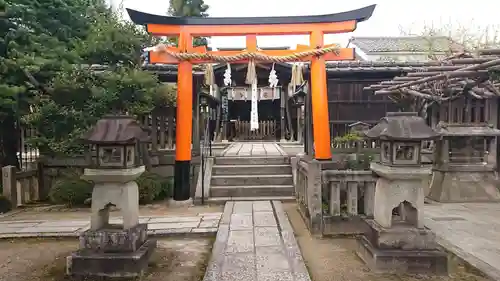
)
(9, 184)
(314, 184)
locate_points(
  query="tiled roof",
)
(406, 44)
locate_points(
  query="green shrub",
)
(153, 187)
(71, 192)
(167, 187)
(5, 204)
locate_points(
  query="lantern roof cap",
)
(402, 126)
(116, 129)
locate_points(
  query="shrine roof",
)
(377, 66)
(358, 15)
(406, 44)
(470, 130)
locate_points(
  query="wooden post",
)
(184, 122)
(282, 115)
(196, 118)
(300, 110)
(9, 184)
(321, 129)
(217, 134)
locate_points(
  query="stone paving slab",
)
(255, 242)
(469, 230)
(248, 149)
(202, 224)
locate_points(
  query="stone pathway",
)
(253, 149)
(469, 230)
(206, 223)
(255, 242)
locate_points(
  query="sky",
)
(390, 18)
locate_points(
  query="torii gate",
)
(185, 55)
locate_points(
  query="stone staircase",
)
(251, 178)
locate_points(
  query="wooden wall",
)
(348, 103)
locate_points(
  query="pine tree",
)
(189, 8)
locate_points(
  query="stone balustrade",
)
(333, 202)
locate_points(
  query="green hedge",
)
(75, 192)
(153, 187)
(71, 192)
(5, 204)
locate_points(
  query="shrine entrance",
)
(185, 55)
(268, 124)
(270, 97)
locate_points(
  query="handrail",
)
(206, 151)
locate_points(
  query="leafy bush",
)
(153, 187)
(71, 192)
(350, 137)
(5, 204)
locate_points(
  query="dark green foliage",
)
(71, 192)
(45, 82)
(5, 205)
(153, 187)
(189, 8)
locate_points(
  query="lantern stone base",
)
(112, 252)
(401, 249)
(464, 186)
(114, 239)
(88, 263)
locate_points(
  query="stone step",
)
(251, 169)
(223, 200)
(251, 190)
(232, 160)
(232, 180)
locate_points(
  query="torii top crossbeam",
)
(185, 55)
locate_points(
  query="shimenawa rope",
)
(245, 55)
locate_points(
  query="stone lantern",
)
(112, 250)
(397, 239)
(465, 164)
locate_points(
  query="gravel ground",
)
(335, 259)
(63, 213)
(44, 260)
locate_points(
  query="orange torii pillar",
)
(186, 28)
(184, 122)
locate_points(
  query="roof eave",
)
(358, 15)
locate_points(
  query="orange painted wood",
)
(242, 30)
(184, 120)
(320, 118)
(251, 43)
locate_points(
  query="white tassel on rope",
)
(227, 75)
(251, 79)
(254, 118)
(273, 78)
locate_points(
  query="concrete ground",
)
(60, 212)
(175, 259)
(335, 259)
(469, 230)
